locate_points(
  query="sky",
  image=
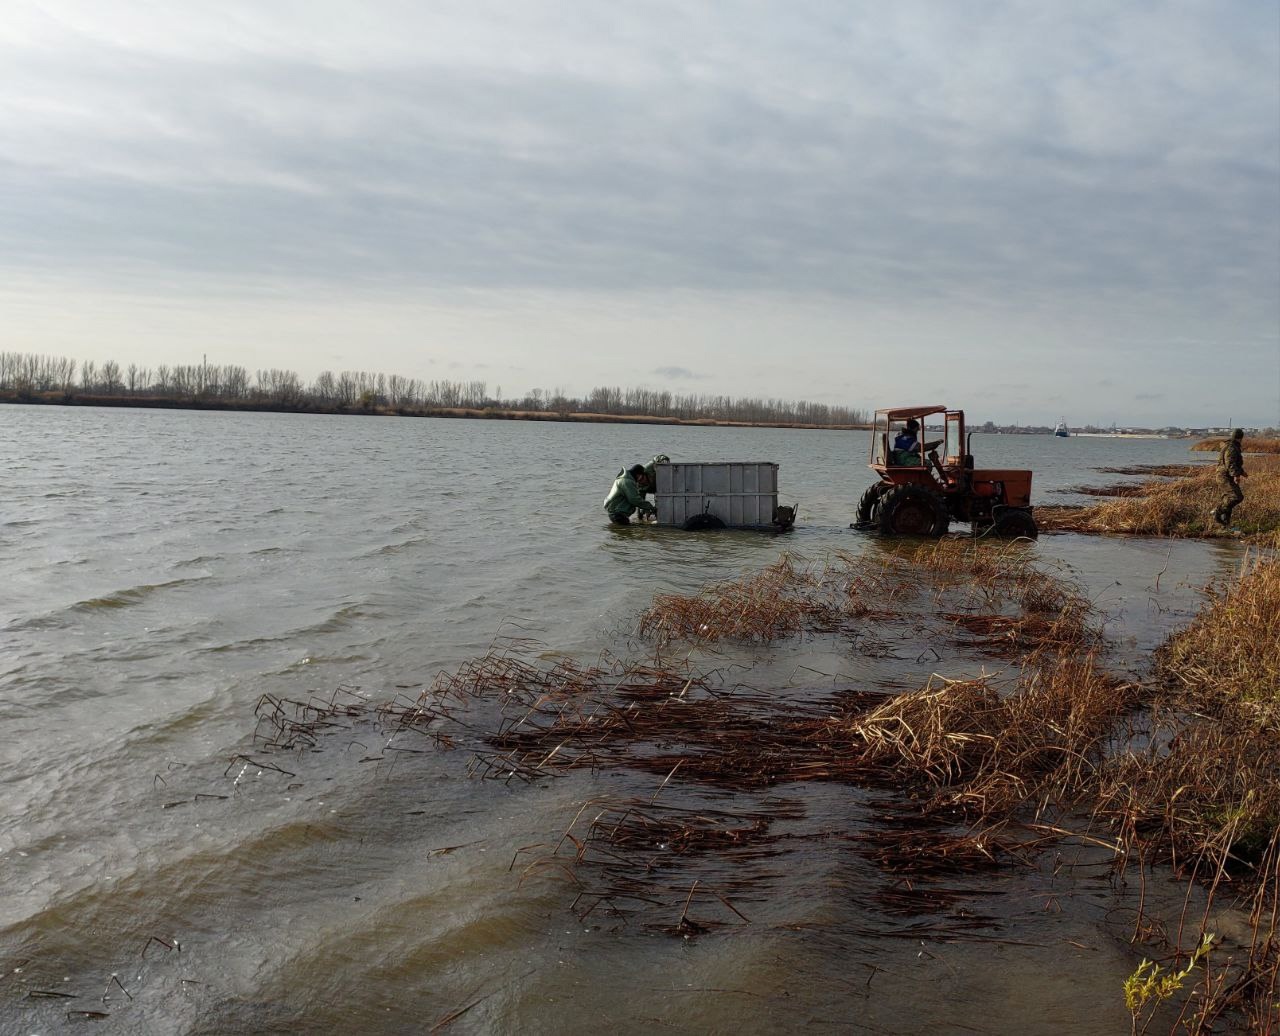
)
(1029, 210)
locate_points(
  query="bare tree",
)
(30, 374)
(324, 390)
(111, 380)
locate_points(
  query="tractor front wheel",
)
(913, 511)
(1014, 523)
(866, 515)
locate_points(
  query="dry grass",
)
(774, 603)
(1181, 508)
(1161, 470)
(1216, 780)
(996, 755)
(992, 595)
(1231, 652)
(1114, 489)
(1248, 445)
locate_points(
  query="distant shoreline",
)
(486, 413)
(471, 413)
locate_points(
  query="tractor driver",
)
(906, 444)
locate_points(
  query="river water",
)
(162, 570)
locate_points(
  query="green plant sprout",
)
(1151, 984)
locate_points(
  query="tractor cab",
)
(904, 438)
(927, 479)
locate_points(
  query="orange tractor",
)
(921, 494)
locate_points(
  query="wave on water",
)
(117, 599)
(394, 548)
(340, 620)
(130, 596)
(412, 525)
(313, 660)
(201, 559)
(242, 645)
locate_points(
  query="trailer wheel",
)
(1014, 523)
(870, 500)
(913, 511)
(702, 523)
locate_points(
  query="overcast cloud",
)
(853, 202)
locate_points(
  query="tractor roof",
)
(901, 413)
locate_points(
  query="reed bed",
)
(970, 744)
(1116, 489)
(1181, 508)
(979, 767)
(993, 596)
(1217, 833)
(964, 775)
(1231, 652)
(1249, 444)
(1222, 676)
(1157, 470)
(994, 755)
(777, 602)
(1204, 796)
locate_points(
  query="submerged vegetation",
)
(959, 775)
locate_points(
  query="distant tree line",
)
(30, 376)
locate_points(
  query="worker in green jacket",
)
(625, 498)
(1230, 469)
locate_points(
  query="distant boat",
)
(1060, 430)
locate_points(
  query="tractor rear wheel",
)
(912, 511)
(866, 515)
(1014, 523)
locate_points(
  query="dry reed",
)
(990, 595)
(1156, 470)
(1250, 444)
(993, 754)
(971, 774)
(1231, 652)
(1181, 508)
(1116, 489)
(1204, 796)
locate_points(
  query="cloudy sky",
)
(1028, 209)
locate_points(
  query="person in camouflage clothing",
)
(1230, 469)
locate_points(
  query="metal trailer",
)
(725, 495)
